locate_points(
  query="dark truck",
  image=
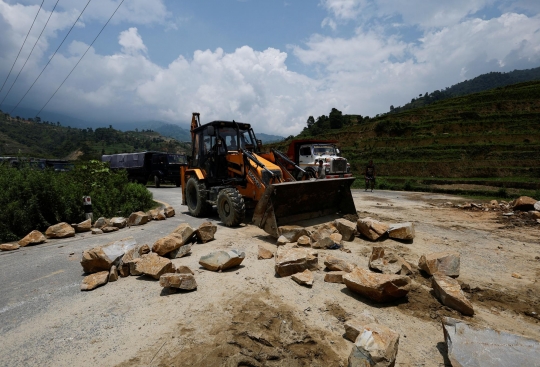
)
(145, 166)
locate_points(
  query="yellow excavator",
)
(227, 169)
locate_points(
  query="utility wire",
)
(22, 46)
(51, 57)
(20, 71)
(118, 7)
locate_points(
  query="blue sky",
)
(270, 63)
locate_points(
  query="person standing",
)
(370, 176)
(321, 173)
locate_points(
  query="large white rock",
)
(103, 257)
(376, 346)
(222, 260)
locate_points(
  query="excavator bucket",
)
(291, 202)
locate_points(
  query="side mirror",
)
(210, 130)
(337, 150)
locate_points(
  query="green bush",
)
(33, 199)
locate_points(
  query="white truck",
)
(307, 154)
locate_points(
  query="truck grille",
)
(339, 165)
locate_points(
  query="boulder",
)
(137, 219)
(378, 287)
(153, 213)
(103, 257)
(101, 222)
(178, 280)
(118, 222)
(205, 232)
(446, 263)
(523, 203)
(84, 226)
(109, 229)
(537, 206)
(182, 269)
(93, 281)
(376, 346)
(180, 252)
(401, 231)
(334, 276)
(153, 265)
(333, 263)
(292, 233)
(32, 238)
(346, 228)
(332, 241)
(222, 260)
(449, 292)
(387, 262)
(303, 278)
(123, 270)
(9, 247)
(133, 267)
(304, 241)
(494, 204)
(97, 231)
(60, 230)
(355, 326)
(472, 345)
(282, 241)
(535, 214)
(371, 228)
(323, 231)
(184, 232)
(166, 244)
(290, 261)
(144, 249)
(169, 211)
(264, 253)
(113, 274)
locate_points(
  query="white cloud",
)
(131, 41)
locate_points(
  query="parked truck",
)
(148, 166)
(307, 153)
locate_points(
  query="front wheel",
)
(196, 198)
(231, 207)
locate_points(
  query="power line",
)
(20, 71)
(22, 46)
(118, 7)
(51, 57)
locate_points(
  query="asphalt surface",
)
(33, 278)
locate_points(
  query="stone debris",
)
(290, 261)
(180, 252)
(154, 265)
(378, 287)
(184, 232)
(101, 222)
(449, 292)
(535, 214)
(282, 241)
(292, 233)
(32, 238)
(205, 232)
(144, 249)
(97, 231)
(304, 241)
(386, 262)
(537, 206)
(355, 326)
(446, 263)
(113, 274)
(371, 228)
(109, 229)
(182, 269)
(103, 257)
(84, 226)
(222, 260)
(494, 204)
(137, 219)
(118, 222)
(335, 264)
(166, 244)
(334, 241)
(472, 345)
(375, 346)
(401, 231)
(169, 211)
(523, 203)
(123, 270)
(156, 214)
(264, 253)
(303, 278)
(516, 275)
(60, 230)
(133, 267)
(93, 281)
(334, 276)
(9, 247)
(324, 230)
(178, 280)
(346, 228)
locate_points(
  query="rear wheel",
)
(231, 207)
(196, 198)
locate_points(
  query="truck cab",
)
(308, 153)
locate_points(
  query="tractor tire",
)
(157, 181)
(231, 207)
(196, 199)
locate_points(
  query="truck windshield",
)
(176, 158)
(230, 136)
(324, 150)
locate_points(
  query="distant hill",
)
(267, 138)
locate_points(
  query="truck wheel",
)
(231, 207)
(156, 180)
(195, 198)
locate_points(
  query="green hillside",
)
(490, 138)
(22, 137)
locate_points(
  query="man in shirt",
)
(370, 175)
(321, 173)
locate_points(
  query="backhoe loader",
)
(227, 169)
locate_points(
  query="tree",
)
(310, 122)
(336, 119)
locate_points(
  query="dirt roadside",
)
(250, 317)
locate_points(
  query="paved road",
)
(32, 278)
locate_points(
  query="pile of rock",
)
(524, 206)
(375, 230)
